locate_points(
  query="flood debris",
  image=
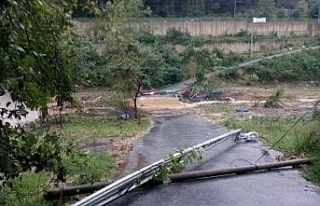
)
(197, 94)
(274, 100)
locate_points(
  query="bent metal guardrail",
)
(134, 180)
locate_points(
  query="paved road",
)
(244, 64)
(278, 188)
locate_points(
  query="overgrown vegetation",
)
(302, 140)
(87, 129)
(41, 58)
(288, 68)
(302, 66)
(221, 8)
(274, 100)
(34, 66)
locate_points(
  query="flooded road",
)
(283, 188)
(31, 116)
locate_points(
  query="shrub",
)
(252, 79)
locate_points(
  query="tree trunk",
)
(135, 106)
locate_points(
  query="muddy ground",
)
(297, 100)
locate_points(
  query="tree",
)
(313, 8)
(266, 7)
(302, 7)
(133, 65)
(89, 67)
(33, 67)
(202, 62)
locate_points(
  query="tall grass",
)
(304, 138)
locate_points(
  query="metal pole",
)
(134, 180)
(237, 170)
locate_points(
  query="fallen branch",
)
(274, 100)
(74, 190)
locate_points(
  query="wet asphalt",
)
(281, 187)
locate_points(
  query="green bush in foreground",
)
(91, 167)
(28, 189)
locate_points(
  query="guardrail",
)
(134, 180)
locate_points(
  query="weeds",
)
(304, 138)
(274, 100)
(252, 79)
(312, 172)
(83, 129)
(27, 190)
(92, 167)
(79, 167)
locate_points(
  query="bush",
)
(91, 167)
(177, 37)
(25, 190)
(228, 74)
(252, 79)
(304, 138)
(296, 14)
(302, 66)
(312, 172)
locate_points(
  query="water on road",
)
(283, 187)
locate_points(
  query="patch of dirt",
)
(159, 103)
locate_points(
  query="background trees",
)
(195, 8)
(34, 66)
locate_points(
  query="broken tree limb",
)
(236, 170)
(74, 190)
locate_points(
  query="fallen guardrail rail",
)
(134, 180)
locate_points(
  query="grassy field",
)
(84, 129)
(303, 138)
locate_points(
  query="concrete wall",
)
(217, 28)
(243, 47)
